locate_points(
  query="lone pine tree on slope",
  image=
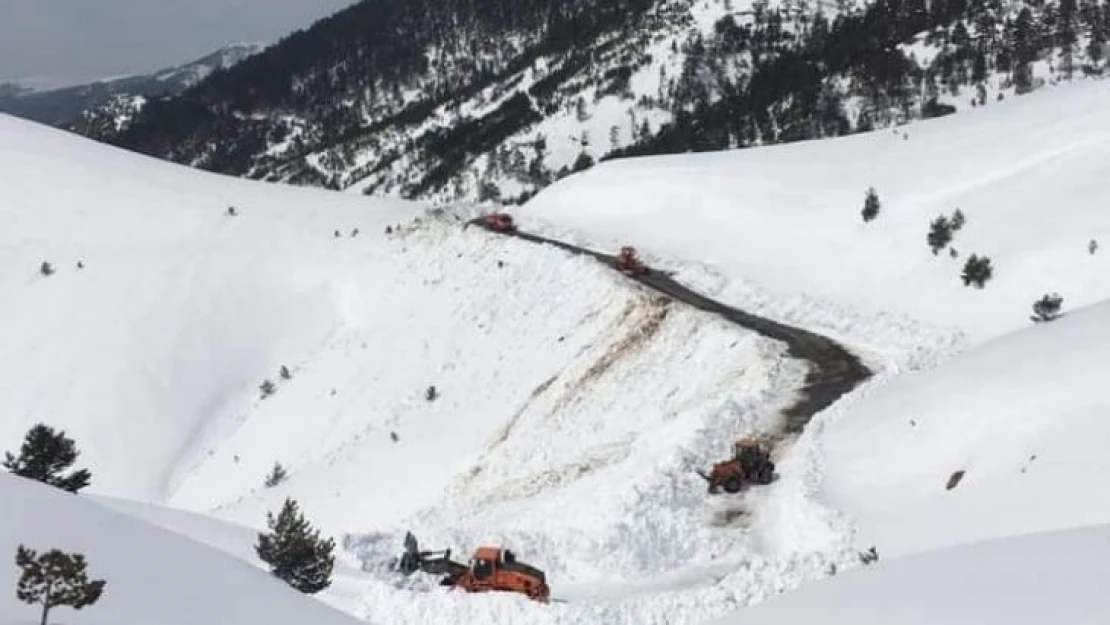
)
(55, 579)
(295, 552)
(870, 205)
(940, 234)
(45, 454)
(1047, 308)
(977, 271)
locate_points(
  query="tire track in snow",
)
(833, 370)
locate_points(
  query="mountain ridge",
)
(69, 104)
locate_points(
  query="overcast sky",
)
(79, 40)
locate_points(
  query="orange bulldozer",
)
(750, 464)
(490, 569)
(628, 262)
(497, 222)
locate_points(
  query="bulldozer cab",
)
(485, 562)
(750, 464)
(482, 568)
(746, 448)
(749, 454)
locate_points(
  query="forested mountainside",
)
(493, 99)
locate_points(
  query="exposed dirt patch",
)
(642, 319)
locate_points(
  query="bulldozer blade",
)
(703, 475)
(432, 562)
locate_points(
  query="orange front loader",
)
(750, 464)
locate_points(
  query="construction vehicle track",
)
(833, 370)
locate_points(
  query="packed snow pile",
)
(152, 575)
(1022, 418)
(1057, 577)
(1028, 174)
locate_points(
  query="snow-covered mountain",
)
(572, 405)
(94, 108)
(448, 101)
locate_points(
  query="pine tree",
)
(277, 475)
(583, 162)
(46, 268)
(295, 552)
(44, 455)
(267, 388)
(871, 205)
(581, 112)
(1066, 34)
(977, 271)
(1024, 41)
(958, 220)
(1047, 308)
(55, 579)
(940, 234)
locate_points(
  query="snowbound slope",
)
(1057, 577)
(180, 311)
(152, 575)
(779, 232)
(348, 582)
(1023, 415)
(571, 407)
(1030, 174)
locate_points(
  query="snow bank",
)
(152, 575)
(1023, 416)
(1058, 577)
(1028, 173)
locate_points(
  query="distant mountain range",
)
(62, 106)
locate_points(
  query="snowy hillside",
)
(152, 575)
(475, 389)
(1029, 174)
(1057, 577)
(779, 230)
(1023, 416)
(174, 320)
(558, 387)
